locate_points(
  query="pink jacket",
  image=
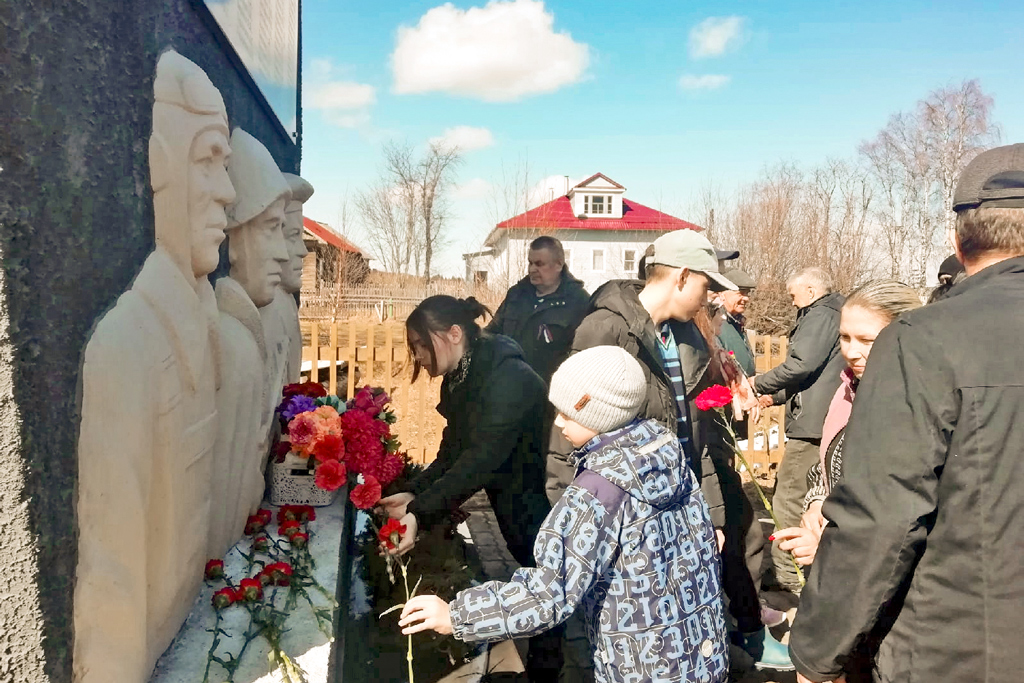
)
(838, 415)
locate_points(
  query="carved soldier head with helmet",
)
(188, 157)
(256, 247)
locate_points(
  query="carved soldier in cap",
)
(258, 255)
(149, 402)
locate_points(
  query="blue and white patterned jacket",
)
(631, 541)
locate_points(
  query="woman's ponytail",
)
(437, 314)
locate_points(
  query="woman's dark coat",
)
(494, 440)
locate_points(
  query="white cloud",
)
(464, 138)
(713, 36)
(342, 95)
(347, 120)
(705, 82)
(477, 188)
(343, 103)
(498, 53)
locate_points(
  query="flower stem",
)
(210, 656)
(760, 492)
(405, 580)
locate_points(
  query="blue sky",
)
(602, 86)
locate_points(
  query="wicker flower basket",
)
(291, 483)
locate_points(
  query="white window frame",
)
(629, 261)
(604, 262)
(594, 207)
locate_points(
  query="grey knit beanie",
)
(601, 388)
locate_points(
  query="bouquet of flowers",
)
(330, 438)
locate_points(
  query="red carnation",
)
(265, 514)
(299, 539)
(254, 524)
(365, 495)
(311, 389)
(391, 533)
(329, 447)
(714, 397)
(299, 513)
(261, 544)
(225, 597)
(281, 449)
(251, 590)
(390, 468)
(278, 573)
(330, 475)
(289, 528)
(215, 569)
(364, 448)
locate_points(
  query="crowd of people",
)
(900, 493)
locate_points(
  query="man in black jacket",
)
(541, 313)
(923, 546)
(805, 382)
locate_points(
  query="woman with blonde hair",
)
(867, 311)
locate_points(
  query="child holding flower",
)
(630, 542)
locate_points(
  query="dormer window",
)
(597, 204)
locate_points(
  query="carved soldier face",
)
(209, 193)
(291, 276)
(258, 254)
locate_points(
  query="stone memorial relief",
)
(149, 408)
(281, 317)
(257, 253)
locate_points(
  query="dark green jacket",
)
(734, 338)
(560, 312)
(494, 440)
(617, 318)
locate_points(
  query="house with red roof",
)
(331, 258)
(604, 234)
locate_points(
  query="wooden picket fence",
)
(355, 353)
(766, 441)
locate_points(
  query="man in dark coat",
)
(542, 310)
(541, 313)
(922, 550)
(805, 382)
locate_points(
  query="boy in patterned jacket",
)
(630, 541)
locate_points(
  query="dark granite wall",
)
(76, 88)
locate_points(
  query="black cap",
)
(951, 267)
(994, 179)
(727, 254)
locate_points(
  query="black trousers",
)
(743, 549)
